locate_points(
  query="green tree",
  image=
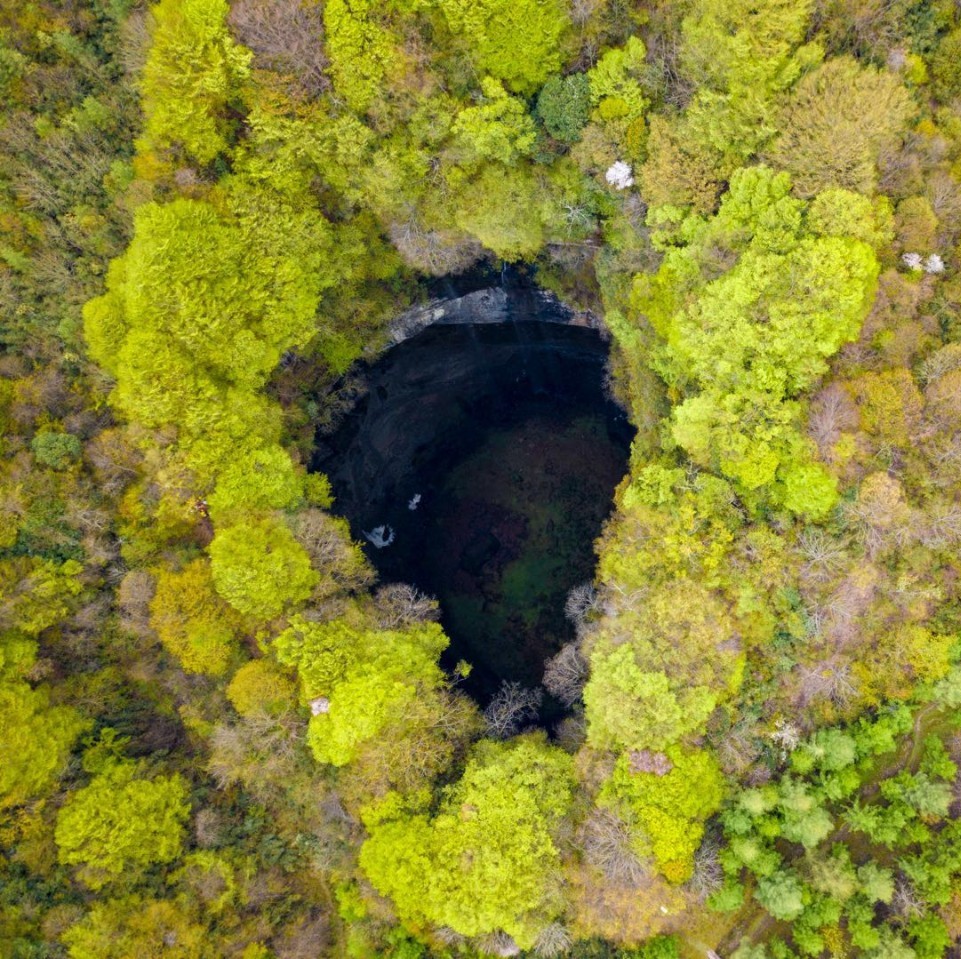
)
(488, 859)
(122, 822)
(367, 679)
(840, 118)
(667, 807)
(946, 67)
(192, 621)
(135, 926)
(36, 741)
(260, 569)
(517, 41)
(57, 450)
(257, 480)
(615, 90)
(782, 895)
(742, 345)
(193, 72)
(504, 210)
(261, 687)
(362, 53)
(630, 708)
(498, 130)
(741, 55)
(564, 106)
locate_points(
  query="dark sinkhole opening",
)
(489, 454)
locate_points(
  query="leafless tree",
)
(449, 937)
(208, 825)
(134, 594)
(824, 554)
(583, 10)
(582, 602)
(399, 605)
(906, 901)
(307, 940)
(606, 842)
(829, 679)
(286, 37)
(328, 544)
(437, 252)
(708, 874)
(941, 362)
(941, 526)
(883, 517)
(945, 197)
(498, 944)
(739, 748)
(565, 674)
(512, 708)
(135, 37)
(260, 751)
(552, 940)
(571, 732)
(831, 412)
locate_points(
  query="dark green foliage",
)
(56, 450)
(564, 106)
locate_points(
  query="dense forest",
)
(221, 735)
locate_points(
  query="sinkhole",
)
(486, 452)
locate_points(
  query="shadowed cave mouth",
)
(487, 455)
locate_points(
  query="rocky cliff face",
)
(511, 303)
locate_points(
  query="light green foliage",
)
(781, 895)
(256, 481)
(841, 213)
(834, 875)
(192, 621)
(517, 41)
(487, 860)
(564, 106)
(805, 820)
(369, 677)
(37, 593)
(826, 750)
(122, 822)
(876, 882)
(655, 537)
(504, 210)
(259, 568)
(836, 124)
(135, 926)
(824, 889)
(289, 151)
(930, 936)
(35, 743)
(208, 295)
(194, 70)
(615, 91)
(668, 810)
(808, 489)
(498, 129)
(749, 310)
(260, 688)
(361, 51)
(741, 54)
(628, 707)
(658, 672)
